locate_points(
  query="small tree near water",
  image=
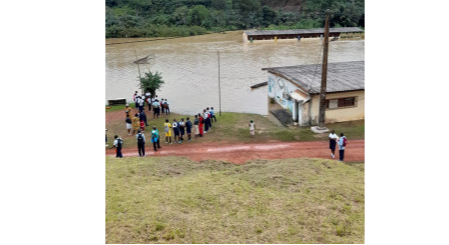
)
(150, 82)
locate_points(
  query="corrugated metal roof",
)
(302, 31)
(341, 76)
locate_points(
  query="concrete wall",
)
(356, 112)
(277, 86)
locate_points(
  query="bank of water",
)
(189, 67)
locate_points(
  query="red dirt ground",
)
(240, 153)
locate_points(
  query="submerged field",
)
(175, 200)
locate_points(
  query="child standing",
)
(189, 128)
(176, 131)
(167, 129)
(252, 127)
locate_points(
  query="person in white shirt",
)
(332, 142)
(167, 107)
(252, 128)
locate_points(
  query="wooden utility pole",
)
(324, 74)
(219, 85)
(138, 67)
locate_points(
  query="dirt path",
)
(240, 153)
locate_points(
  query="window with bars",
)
(340, 103)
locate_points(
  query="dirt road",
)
(240, 153)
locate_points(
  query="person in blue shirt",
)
(189, 129)
(212, 113)
(155, 138)
(341, 147)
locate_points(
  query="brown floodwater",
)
(189, 67)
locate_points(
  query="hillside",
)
(162, 18)
(174, 200)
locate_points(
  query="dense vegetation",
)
(163, 18)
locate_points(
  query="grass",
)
(233, 128)
(174, 200)
(118, 107)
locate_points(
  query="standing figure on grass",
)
(182, 126)
(156, 108)
(143, 117)
(135, 99)
(341, 146)
(252, 127)
(167, 107)
(118, 143)
(155, 138)
(162, 104)
(209, 117)
(140, 143)
(128, 124)
(167, 129)
(136, 123)
(212, 113)
(149, 101)
(196, 123)
(189, 129)
(177, 139)
(332, 142)
(200, 124)
(205, 122)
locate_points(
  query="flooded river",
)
(189, 67)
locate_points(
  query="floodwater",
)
(189, 67)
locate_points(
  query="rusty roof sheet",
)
(341, 76)
(302, 31)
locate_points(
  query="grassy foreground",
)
(175, 200)
(233, 128)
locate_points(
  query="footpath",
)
(240, 153)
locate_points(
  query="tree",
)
(198, 16)
(151, 82)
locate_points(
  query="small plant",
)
(258, 230)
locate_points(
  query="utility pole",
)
(219, 85)
(324, 75)
(138, 67)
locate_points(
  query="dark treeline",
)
(173, 18)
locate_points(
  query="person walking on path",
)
(189, 129)
(252, 127)
(212, 112)
(176, 131)
(118, 143)
(200, 124)
(196, 126)
(332, 142)
(341, 146)
(128, 110)
(155, 138)
(143, 117)
(167, 129)
(182, 126)
(136, 123)
(140, 143)
(128, 124)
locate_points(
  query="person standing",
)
(118, 143)
(252, 127)
(149, 101)
(212, 112)
(128, 124)
(162, 106)
(141, 103)
(182, 126)
(135, 99)
(176, 138)
(106, 134)
(167, 129)
(205, 122)
(196, 126)
(167, 107)
(155, 138)
(189, 129)
(140, 143)
(156, 108)
(128, 110)
(341, 146)
(136, 123)
(332, 142)
(209, 117)
(143, 117)
(201, 124)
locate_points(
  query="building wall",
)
(356, 112)
(277, 86)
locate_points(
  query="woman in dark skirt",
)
(332, 142)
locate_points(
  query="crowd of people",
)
(136, 123)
